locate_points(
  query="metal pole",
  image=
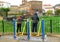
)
(28, 30)
(14, 24)
(3, 26)
(42, 30)
(50, 26)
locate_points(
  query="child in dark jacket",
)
(35, 20)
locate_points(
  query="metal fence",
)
(50, 26)
(6, 27)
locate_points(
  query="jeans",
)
(19, 27)
(34, 27)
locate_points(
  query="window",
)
(0, 4)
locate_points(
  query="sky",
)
(18, 2)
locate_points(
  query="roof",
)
(2, 2)
(14, 6)
(35, 1)
(57, 5)
(47, 5)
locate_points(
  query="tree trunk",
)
(6, 14)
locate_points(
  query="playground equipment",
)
(38, 33)
(24, 29)
(42, 30)
(28, 29)
(14, 23)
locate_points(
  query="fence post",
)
(50, 26)
(28, 29)
(3, 26)
(14, 24)
(43, 30)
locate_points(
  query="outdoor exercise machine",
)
(28, 29)
(24, 29)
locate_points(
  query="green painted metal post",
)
(3, 26)
(50, 26)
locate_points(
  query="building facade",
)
(57, 6)
(31, 6)
(47, 7)
(4, 4)
(14, 9)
